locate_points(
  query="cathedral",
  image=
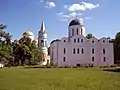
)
(77, 50)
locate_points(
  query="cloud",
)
(50, 4)
(88, 18)
(81, 7)
(65, 17)
(41, 1)
(90, 5)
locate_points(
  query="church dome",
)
(28, 33)
(75, 22)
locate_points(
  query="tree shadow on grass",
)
(30, 67)
(112, 70)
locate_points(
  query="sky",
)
(100, 17)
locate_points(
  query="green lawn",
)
(22, 78)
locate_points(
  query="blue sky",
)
(101, 17)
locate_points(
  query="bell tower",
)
(42, 43)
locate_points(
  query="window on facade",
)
(73, 32)
(74, 40)
(77, 31)
(82, 51)
(74, 51)
(103, 41)
(93, 59)
(64, 40)
(81, 40)
(92, 41)
(78, 40)
(64, 59)
(78, 50)
(92, 50)
(103, 51)
(64, 51)
(81, 31)
(104, 59)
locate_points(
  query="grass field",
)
(22, 78)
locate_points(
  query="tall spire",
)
(43, 27)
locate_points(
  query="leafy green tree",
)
(5, 45)
(48, 50)
(89, 36)
(117, 47)
(26, 50)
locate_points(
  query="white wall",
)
(57, 51)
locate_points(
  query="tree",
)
(89, 36)
(48, 50)
(5, 46)
(117, 47)
(26, 50)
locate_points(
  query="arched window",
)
(78, 40)
(64, 51)
(104, 59)
(72, 32)
(82, 51)
(74, 51)
(81, 40)
(46, 43)
(77, 31)
(93, 59)
(92, 41)
(103, 50)
(64, 59)
(81, 31)
(74, 40)
(42, 43)
(78, 51)
(64, 40)
(103, 41)
(92, 50)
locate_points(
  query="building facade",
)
(76, 49)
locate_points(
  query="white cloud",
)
(88, 18)
(41, 1)
(81, 7)
(50, 4)
(65, 17)
(74, 14)
(90, 5)
(61, 13)
(76, 7)
(66, 6)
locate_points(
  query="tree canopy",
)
(89, 36)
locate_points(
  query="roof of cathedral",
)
(75, 22)
(28, 32)
(43, 27)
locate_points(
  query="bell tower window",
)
(42, 43)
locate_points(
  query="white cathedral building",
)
(76, 49)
